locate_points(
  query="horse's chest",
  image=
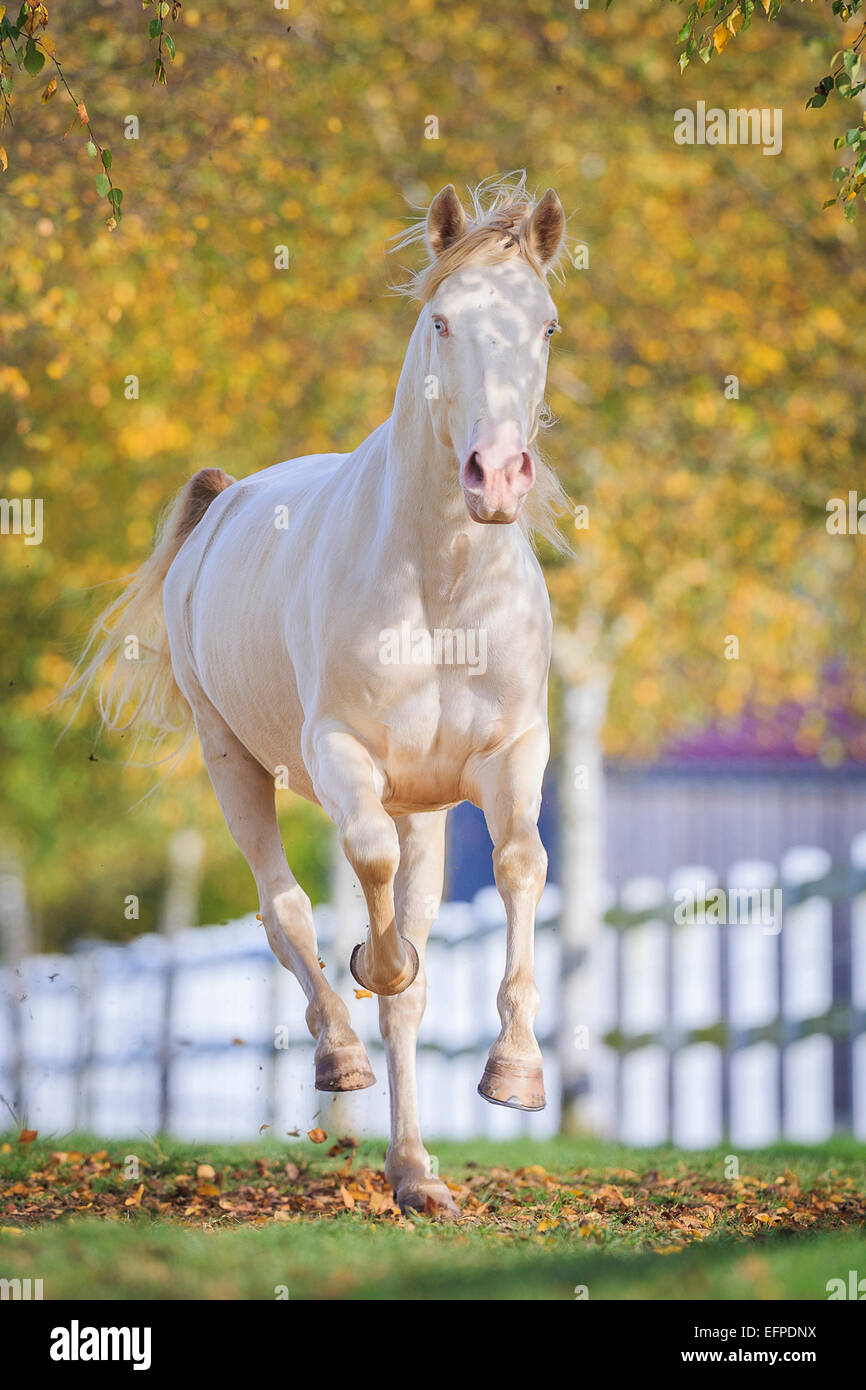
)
(438, 696)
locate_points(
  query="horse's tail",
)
(131, 633)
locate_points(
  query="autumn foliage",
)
(239, 315)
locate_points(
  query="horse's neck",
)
(422, 500)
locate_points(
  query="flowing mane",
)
(495, 231)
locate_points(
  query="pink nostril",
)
(473, 473)
(520, 474)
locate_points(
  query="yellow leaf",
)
(363, 994)
(734, 22)
(204, 1170)
(135, 1199)
(49, 90)
(721, 38)
(4, 162)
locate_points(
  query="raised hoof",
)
(513, 1084)
(396, 986)
(344, 1069)
(428, 1199)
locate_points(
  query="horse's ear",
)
(446, 220)
(546, 228)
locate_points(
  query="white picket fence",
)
(700, 1031)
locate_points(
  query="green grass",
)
(593, 1239)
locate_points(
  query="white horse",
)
(316, 622)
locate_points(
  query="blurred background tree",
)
(239, 315)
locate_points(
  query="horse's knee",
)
(371, 845)
(520, 862)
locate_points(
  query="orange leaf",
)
(363, 994)
(135, 1199)
(316, 1136)
(27, 1136)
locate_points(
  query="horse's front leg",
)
(418, 891)
(350, 786)
(510, 793)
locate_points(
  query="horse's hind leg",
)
(245, 792)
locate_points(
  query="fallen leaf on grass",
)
(609, 1193)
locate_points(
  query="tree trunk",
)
(582, 872)
(16, 943)
(180, 910)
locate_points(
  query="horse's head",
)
(490, 318)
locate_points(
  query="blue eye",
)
(550, 330)
(440, 326)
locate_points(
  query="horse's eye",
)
(440, 326)
(550, 330)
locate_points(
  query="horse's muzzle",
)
(495, 484)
